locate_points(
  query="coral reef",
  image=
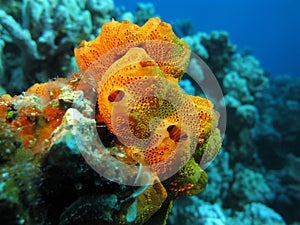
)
(221, 176)
(282, 101)
(44, 33)
(143, 12)
(215, 48)
(257, 213)
(49, 132)
(245, 189)
(195, 211)
(259, 155)
(252, 181)
(183, 27)
(242, 81)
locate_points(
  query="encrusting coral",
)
(151, 122)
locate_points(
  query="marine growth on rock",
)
(130, 120)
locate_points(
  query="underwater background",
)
(253, 49)
(270, 29)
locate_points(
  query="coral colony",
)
(112, 130)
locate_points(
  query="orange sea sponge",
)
(156, 37)
(139, 99)
(150, 113)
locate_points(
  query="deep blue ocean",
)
(271, 29)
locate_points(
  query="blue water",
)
(270, 28)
